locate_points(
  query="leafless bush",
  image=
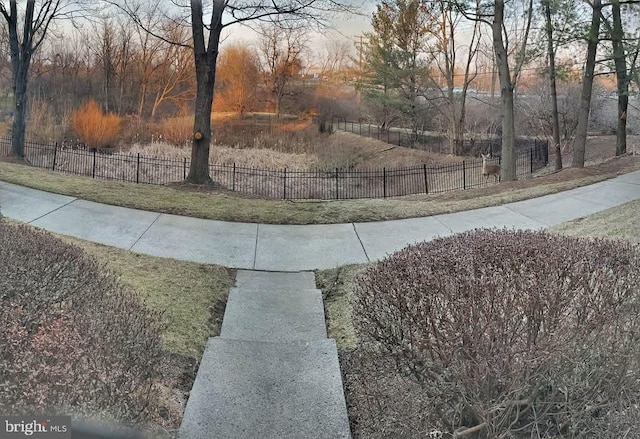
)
(482, 120)
(73, 338)
(535, 116)
(502, 334)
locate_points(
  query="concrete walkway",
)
(272, 373)
(292, 248)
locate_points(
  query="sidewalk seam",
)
(437, 218)
(361, 243)
(255, 249)
(145, 231)
(543, 225)
(50, 212)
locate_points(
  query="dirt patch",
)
(178, 374)
(14, 160)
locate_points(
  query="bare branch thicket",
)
(499, 333)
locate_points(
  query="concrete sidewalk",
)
(292, 248)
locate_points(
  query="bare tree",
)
(626, 48)
(281, 48)
(238, 78)
(149, 48)
(446, 30)
(27, 31)
(335, 57)
(551, 56)
(174, 79)
(508, 81)
(593, 38)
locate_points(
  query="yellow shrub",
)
(93, 126)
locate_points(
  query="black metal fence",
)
(337, 184)
(435, 142)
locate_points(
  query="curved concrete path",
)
(287, 247)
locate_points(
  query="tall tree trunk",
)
(20, 61)
(19, 125)
(552, 85)
(622, 77)
(579, 147)
(508, 156)
(205, 62)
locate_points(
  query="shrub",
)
(75, 339)
(501, 334)
(93, 126)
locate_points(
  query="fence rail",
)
(288, 184)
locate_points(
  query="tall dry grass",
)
(93, 126)
(250, 157)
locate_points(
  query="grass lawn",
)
(191, 296)
(207, 203)
(621, 222)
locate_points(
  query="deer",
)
(488, 169)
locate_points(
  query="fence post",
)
(426, 185)
(337, 197)
(184, 169)
(388, 133)
(55, 153)
(284, 193)
(384, 182)
(464, 175)
(138, 169)
(93, 172)
(360, 128)
(531, 160)
(233, 178)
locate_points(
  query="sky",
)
(344, 28)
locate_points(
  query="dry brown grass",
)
(337, 286)
(621, 222)
(250, 157)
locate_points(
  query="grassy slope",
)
(220, 206)
(622, 222)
